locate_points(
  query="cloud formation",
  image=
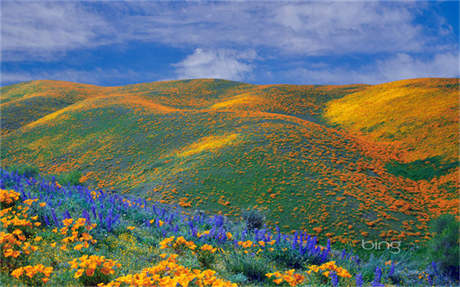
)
(312, 28)
(400, 66)
(48, 29)
(220, 64)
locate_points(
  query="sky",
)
(112, 43)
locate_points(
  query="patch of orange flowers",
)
(179, 244)
(27, 273)
(168, 273)
(7, 197)
(89, 265)
(291, 278)
(327, 267)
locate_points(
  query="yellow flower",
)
(229, 236)
(78, 247)
(17, 272)
(67, 222)
(79, 273)
(207, 247)
(130, 227)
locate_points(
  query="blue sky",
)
(296, 42)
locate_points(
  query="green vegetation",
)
(426, 169)
(445, 244)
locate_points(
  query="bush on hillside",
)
(254, 269)
(253, 218)
(69, 178)
(444, 245)
(25, 169)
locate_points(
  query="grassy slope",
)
(222, 146)
(421, 115)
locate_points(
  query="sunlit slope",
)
(419, 116)
(220, 95)
(236, 146)
(23, 103)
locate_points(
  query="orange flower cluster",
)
(209, 248)
(7, 197)
(28, 272)
(14, 245)
(78, 233)
(179, 244)
(246, 244)
(168, 273)
(17, 216)
(293, 279)
(327, 267)
(8, 241)
(89, 265)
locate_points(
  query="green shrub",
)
(251, 267)
(444, 244)
(25, 169)
(291, 258)
(253, 218)
(69, 178)
(206, 258)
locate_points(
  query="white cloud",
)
(301, 28)
(401, 66)
(404, 66)
(222, 64)
(47, 29)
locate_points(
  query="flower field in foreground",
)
(70, 236)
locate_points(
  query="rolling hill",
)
(344, 162)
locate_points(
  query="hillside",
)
(420, 115)
(323, 159)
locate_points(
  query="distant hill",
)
(344, 162)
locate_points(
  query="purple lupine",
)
(334, 279)
(46, 220)
(357, 260)
(55, 219)
(93, 210)
(434, 266)
(392, 269)
(294, 242)
(278, 236)
(430, 280)
(67, 214)
(377, 278)
(101, 218)
(344, 254)
(325, 253)
(359, 280)
(85, 215)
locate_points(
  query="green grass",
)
(426, 169)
